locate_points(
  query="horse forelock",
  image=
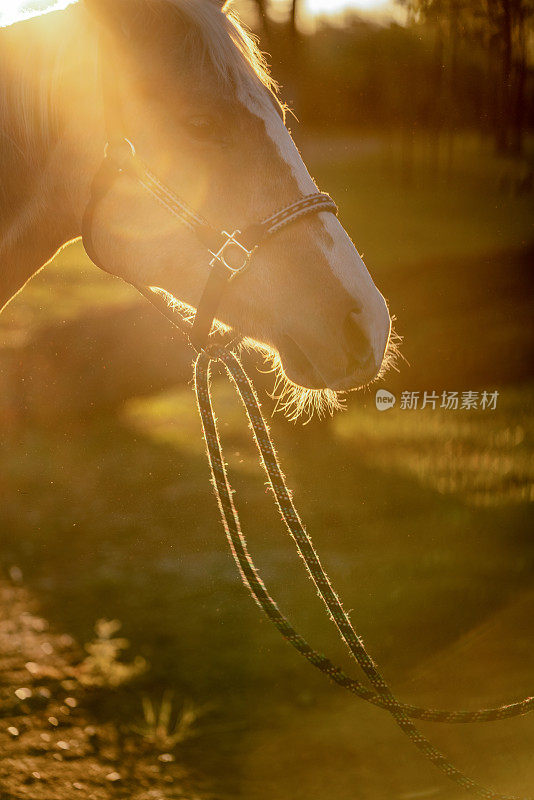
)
(232, 49)
(207, 33)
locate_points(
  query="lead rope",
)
(245, 389)
(382, 696)
(252, 580)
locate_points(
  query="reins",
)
(231, 254)
(382, 695)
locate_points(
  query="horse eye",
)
(201, 129)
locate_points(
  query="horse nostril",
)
(359, 347)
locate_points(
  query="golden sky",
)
(336, 6)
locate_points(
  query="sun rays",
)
(12, 11)
(294, 401)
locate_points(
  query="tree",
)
(263, 14)
(500, 28)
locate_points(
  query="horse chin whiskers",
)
(187, 311)
(297, 403)
(300, 404)
(392, 354)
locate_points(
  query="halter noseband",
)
(230, 253)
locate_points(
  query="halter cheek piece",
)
(229, 253)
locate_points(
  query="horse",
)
(198, 101)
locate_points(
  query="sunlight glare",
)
(15, 10)
(322, 7)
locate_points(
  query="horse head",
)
(196, 98)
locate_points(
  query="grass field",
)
(423, 518)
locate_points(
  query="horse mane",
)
(31, 88)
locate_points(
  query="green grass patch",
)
(486, 457)
(398, 218)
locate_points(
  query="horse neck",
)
(44, 84)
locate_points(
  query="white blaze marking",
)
(279, 134)
(341, 255)
(343, 258)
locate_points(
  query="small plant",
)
(103, 665)
(164, 727)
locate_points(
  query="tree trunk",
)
(520, 79)
(293, 19)
(451, 89)
(437, 117)
(263, 13)
(295, 56)
(505, 105)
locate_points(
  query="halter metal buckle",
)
(230, 242)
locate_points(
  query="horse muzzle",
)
(350, 362)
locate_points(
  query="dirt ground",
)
(53, 745)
